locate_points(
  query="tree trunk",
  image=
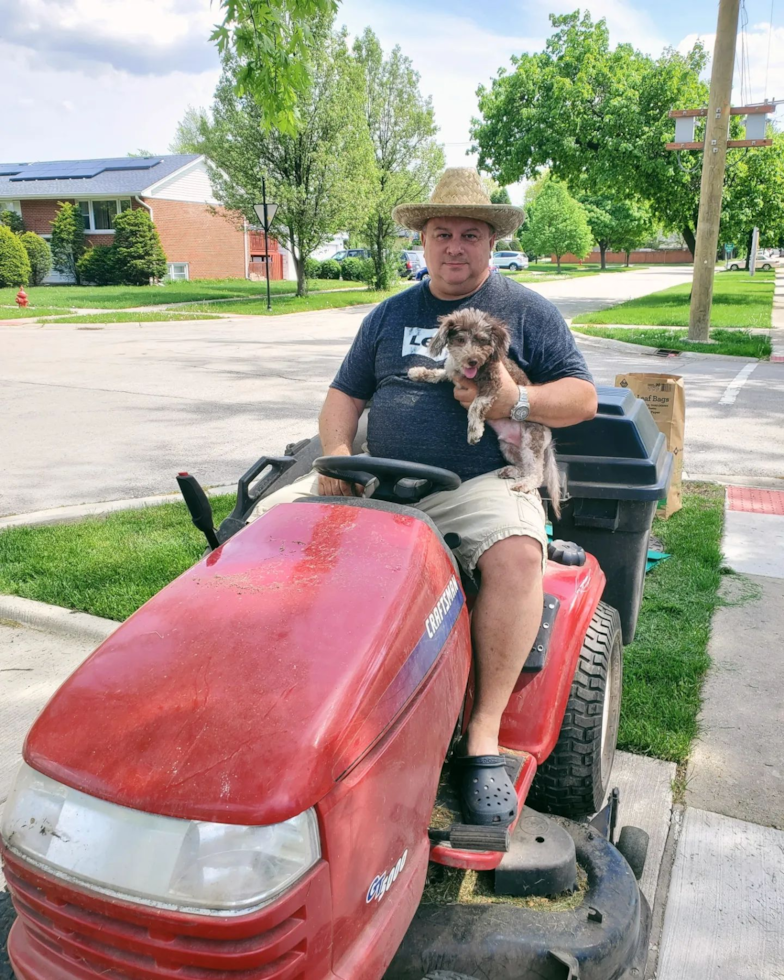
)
(691, 242)
(299, 265)
(603, 253)
(558, 260)
(628, 259)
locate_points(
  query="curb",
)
(75, 512)
(55, 619)
(623, 347)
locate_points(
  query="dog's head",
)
(472, 338)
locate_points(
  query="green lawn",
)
(665, 666)
(14, 313)
(121, 297)
(109, 566)
(738, 301)
(299, 304)
(546, 271)
(740, 343)
(123, 316)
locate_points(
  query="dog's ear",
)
(439, 341)
(499, 332)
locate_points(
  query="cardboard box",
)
(665, 396)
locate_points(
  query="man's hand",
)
(506, 399)
(329, 487)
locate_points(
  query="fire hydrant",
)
(21, 297)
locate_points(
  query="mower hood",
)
(244, 689)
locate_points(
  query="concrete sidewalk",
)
(725, 911)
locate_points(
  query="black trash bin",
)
(617, 468)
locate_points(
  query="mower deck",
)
(459, 845)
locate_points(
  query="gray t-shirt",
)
(423, 422)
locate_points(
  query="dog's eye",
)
(482, 339)
(459, 341)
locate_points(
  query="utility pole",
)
(713, 165)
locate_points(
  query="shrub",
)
(330, 269)
(138, 256)
(367, 271)
(97, 266)
(12, 220)
(14, 264)
(68, 242)
(312, 269)
(39, 255)
(350, 269)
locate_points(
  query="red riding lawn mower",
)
(249, 780)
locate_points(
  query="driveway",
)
(95, 413)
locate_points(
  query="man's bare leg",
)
(505, 622)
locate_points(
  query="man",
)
(502, 531)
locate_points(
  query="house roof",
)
(104, 177)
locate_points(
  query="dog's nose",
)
(473, 363)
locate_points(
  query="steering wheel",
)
(393, 480)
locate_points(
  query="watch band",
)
(522, 408)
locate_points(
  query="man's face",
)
(457, 254)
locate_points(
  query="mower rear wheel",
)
(574, 779)
(446, 975)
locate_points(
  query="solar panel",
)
(9, 169)
(77, 169)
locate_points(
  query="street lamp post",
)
(266, 215)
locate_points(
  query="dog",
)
(477, 344)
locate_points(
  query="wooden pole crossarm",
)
(741, 110)
(730, 143)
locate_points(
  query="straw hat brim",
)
(503, 218)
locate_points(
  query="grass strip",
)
(299, 304)
(109, 566)
(25, 313)
(738, 301)
(739, 343)
(125, 316)
(121, 297)
(665, 666)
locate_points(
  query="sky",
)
(93, 78)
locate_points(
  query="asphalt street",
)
(92, 413)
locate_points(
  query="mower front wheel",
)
(573, 780)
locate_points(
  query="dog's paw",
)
(475, 433)
(417, 373)
(509, 473)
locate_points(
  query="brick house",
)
(175, 189)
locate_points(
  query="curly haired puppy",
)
(477, 345)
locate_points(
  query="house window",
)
(100, 215)
(178, 270)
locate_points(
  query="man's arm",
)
(555, 404)
(338, 423)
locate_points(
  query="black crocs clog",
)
(487, 796)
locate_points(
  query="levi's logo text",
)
(417, 341)
(438, 615)
(381, 884)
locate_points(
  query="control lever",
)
(199, 507)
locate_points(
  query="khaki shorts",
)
(482, 511)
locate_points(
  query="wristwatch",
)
(522, 409)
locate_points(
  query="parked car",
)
(351, 253)
(410, 263)
(513, 261)
(765, 262)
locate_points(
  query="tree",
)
(141, 153)
(10, 219)
(67, 242)
(319, 176)
(754, 197)
(407, 159)
(557, 224)
(501, 196)
(138, 255)
(597, 117)
(14, 264)
(272, 43)
(188, 137)
(616, 224)
(39, 255)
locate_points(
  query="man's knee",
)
(516, 558)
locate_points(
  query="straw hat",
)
(460, 194)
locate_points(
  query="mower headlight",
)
(186, 864)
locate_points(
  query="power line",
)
(770, 35)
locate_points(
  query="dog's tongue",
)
(470, 372)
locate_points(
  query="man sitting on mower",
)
(501, 530)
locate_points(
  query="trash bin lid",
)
(619, 454)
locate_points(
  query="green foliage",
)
(406, 159)
(272, 43)
(189, 135)
(14, 264)
(501, 196)
(617, 224)
(367, 271)
(68, 243)
(557, 224)
(39, 255)
(10, 219)
(97, 266)
(349, 269)
(138, 256)
(330, 269)
(754, 196)
(141, 153)
(312, 269)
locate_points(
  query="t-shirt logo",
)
(417, 340)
